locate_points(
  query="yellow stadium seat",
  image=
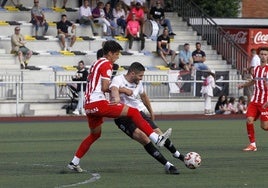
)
(162, 67)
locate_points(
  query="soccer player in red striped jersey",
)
(97, 106)
(258, 106)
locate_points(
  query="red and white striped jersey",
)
(101, 69)
(260, 77)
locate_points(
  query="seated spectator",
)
(62, 27)
(109, 16)
(241, 105)
(119, 15)
(38, 18)
(152, 3)
(185, 58)
(133, 32)
(139, 12)
(85, 16)
(19, 48)
(163, 49)
(17, 5)
(81, 75)
(231, 108)
(221, 105)
(199, 58)
(99, 16)
(157, 13)
(63, 5)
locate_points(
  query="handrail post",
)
(17, 99)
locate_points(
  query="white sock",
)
(176, 154)
(76, 160)
(154, 137)
(253, 144)
(168, 164)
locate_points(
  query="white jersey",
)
(133, 100)
(255, 61)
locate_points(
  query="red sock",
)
(85, 145)
(142, 124)
(251, 132)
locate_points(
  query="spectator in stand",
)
(139, 12)
(63, 5)
(81, 75)
(19, 48)
(18, 4)
(241, 105)
(119, 15)
(231, 108)
(109, 16)
(207, 91)
(38, 18)
(85, 16)
(163, 49)
(133, 32)
(152, 3)
(185, 58)
(221, 104)
(157, 13)
(62, 27)
(99, 16)
(199, 58)
(255, 59)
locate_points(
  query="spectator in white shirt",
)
(85, 16)
(255, 61)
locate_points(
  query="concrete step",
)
(50, 112)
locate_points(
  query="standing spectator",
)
(119, 15)
(258, 106)
(241, 105)
(85, 16)
(139, 12)
(81, 75)
(38, 18)
(255, 59)
(163, 48)
(133, 32)
(199, 58)
(63, 5)
(98, 106)
(207, 91)
(109, 16)
(62, 27)
(157, 13)
(185, 58)
(99, 16)
(221, 105)
(19, 48)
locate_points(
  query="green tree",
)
(220, 8)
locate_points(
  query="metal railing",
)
(213, 34)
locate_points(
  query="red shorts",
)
(96, 111)
(256, 110)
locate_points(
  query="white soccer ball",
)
(192, 160)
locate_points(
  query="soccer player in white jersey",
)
(132, 94)
(97, 106)
(258, 106)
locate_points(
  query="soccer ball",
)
(192, 160)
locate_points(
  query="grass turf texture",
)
(35, 155)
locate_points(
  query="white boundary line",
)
(95, 176)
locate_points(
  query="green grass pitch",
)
(35, 155)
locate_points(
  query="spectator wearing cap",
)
(185, 58)
(157, 13)
(38, 18)
(19, 48)
(139, 12)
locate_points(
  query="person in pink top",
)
(133, 32)
(139, 12)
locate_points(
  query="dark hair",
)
(198, 43)
(63, 15)
(231, 100)
(81, 61)
(111, 46)
(186, 44)
(242, 99)
(136, 67)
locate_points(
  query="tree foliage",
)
(220, 8)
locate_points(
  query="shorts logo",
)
(92, 111)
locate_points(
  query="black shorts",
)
(127, 125)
